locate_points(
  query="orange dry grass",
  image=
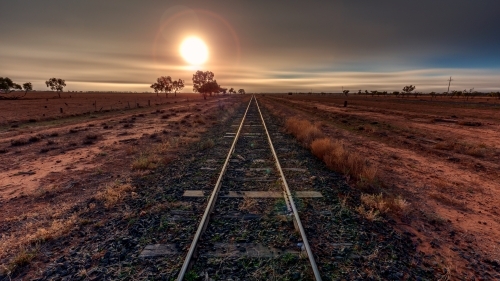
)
(115, 193)
(338, 158)
(303, 130)
(384, 204)
(321, 147)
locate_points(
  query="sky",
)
(260, 46)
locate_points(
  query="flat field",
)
(52, 162)
(441, 155)
(39, 106)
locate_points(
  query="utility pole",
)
(449, 82)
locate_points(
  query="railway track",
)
(250, 231)
(251, 136)
(229, 215)
(251, 217)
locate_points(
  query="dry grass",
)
(338, 158)
(303, 130)
(55, 229)
(333, 153)
(383, 204)
(475, 151)
(463, 148)
(321, 147)
(248, 205)
(145, 162)
(22, 258)
(115, 193)
(369, 214)
(445, 145)
(209, 143)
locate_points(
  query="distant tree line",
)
(203, 82)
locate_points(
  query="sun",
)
(194, 51)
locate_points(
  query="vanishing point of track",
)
(250, 116)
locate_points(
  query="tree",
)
(232, 91)
(204, 83)
(177, 86)
(345, 92)
(223, 90)
(166, 84)
(469, 93)
(396, 93)
(241, 91)
(27, 87)
(56, 84)
(433, 94)
(156, 87)
(163, 84)
(408, 89)
(7, 86)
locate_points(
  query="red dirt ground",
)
(74, 158)
(448, 172)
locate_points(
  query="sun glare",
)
(194, 51)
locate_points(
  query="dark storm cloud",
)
(282, 43)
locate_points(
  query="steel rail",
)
(211, 202)
(290, 199)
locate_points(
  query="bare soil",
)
(50, 166)
(441, 155)
(40, 106)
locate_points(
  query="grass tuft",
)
(145, 162)
(23, 258)
(114, 193)
(209, 143)
(384, 204)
